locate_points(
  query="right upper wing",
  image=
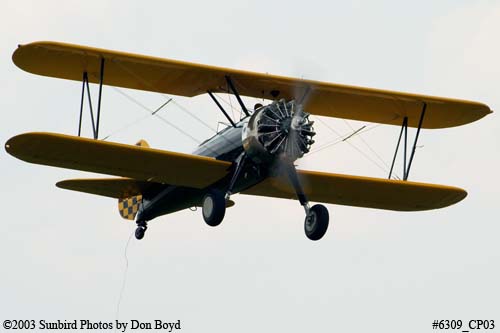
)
(117, 159)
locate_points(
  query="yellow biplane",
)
(254, 155)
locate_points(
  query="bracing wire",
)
(341, 138)
(368, 146)
(230, 104)
(136, 121)
(230, 101)
(147, 83)
(182, 108)
(193, 116)
(152, 113)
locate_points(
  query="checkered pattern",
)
(128, 207)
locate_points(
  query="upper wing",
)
(128, 70)
(117, 159)
(363, 191)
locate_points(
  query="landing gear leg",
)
(240, 163)
(317, 217)
(142, 226)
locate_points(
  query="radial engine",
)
(278, 130)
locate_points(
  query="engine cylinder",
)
(278, 130)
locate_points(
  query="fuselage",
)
(279, 132)
(226, 145)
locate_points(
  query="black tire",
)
(213, 207)
(316, 222)
(139, 232)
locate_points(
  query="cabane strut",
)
(235, 92)
(221, 108)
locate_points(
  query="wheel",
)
(316, 222)
(139, 232)
(213, 207)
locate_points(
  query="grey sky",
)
(62, 252)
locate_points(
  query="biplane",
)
(253, 155)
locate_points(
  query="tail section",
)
(142, 143)
(128, 207)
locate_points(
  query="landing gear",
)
(317, 217)
(141, 229)
(214, 202)
(213, 207)
(316, 222)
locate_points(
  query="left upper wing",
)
(117, 159)
(362, 191)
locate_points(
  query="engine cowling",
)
(281, 129)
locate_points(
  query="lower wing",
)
(140, 163)
(362, 191)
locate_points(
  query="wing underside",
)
(140, 163)
(119, 188)
(135, 71)
(150, 168)
(363, 191)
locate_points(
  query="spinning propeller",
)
(284, 130)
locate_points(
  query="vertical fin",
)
(142, 143)
(128, 207)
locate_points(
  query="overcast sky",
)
(63, 251)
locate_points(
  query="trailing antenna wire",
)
(124, 281)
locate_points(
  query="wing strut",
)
(221, 108)
(85, 85)
(235, 92)
(404, 128)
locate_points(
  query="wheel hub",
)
(311, 220)
(208, 206)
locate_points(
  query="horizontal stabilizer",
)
(119, 188)
(363, 191)
(140, 163)
(121, 69)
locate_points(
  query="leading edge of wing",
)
(69, 61)
(117, 159)
(363, 191)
